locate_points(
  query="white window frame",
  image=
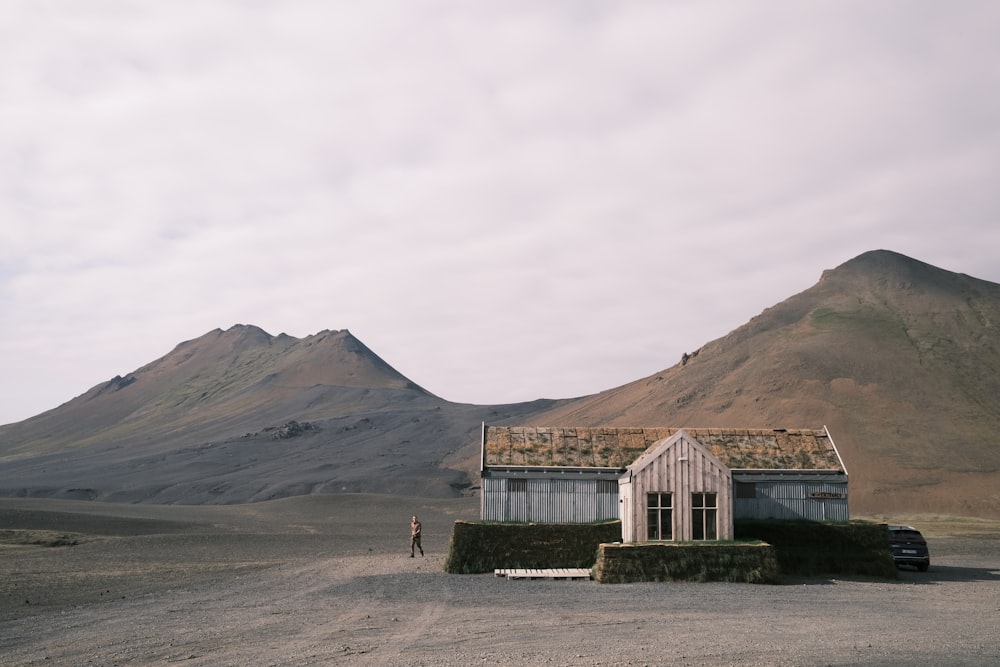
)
(660, 509)
(705, 516)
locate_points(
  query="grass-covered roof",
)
(611, 447)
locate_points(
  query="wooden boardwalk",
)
(555, 573)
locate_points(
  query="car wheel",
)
(923, 566)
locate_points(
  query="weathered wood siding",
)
(680, 466)
(549, 499)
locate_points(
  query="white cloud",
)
(469, 187)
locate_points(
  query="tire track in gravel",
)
(411, 625)
(314, 625)
(317, 623)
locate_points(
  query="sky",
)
(504, 200)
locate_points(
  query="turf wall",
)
(483, 546)
(814, 548)
(751, 563)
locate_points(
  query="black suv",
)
(909, 547)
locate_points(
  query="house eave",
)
(804, 476)
(553, 470)
(580, 470)
(789, 471)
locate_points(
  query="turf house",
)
(664, 484)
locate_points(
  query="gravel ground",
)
(325, 580)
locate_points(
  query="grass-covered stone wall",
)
(483, 546)
(813, 548)
(752, 563)
(764, 551)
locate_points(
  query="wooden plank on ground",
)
(551, 573)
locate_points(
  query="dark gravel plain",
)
(327, 580)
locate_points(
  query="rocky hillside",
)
(240, 415)
(898, 358)
(901, 360)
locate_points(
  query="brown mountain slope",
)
(898, 358)
(206, 385)
(209, 422)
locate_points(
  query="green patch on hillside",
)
(868, 322)
(827, 318)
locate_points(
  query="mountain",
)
(207, 386)
(901, 360)
(898, 358)
(240, 415)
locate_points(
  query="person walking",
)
(415, 528)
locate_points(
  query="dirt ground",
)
(327, 580)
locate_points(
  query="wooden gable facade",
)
(663, 483)
(677, 490)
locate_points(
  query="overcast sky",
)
(504, 200)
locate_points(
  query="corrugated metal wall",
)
(815, 501)
(547, 500)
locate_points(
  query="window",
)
(704, 516)
(659, 516)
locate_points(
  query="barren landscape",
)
(327, 579)
(899, 359)
(245, 500)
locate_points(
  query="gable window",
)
(659, 516)
(704, 516)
